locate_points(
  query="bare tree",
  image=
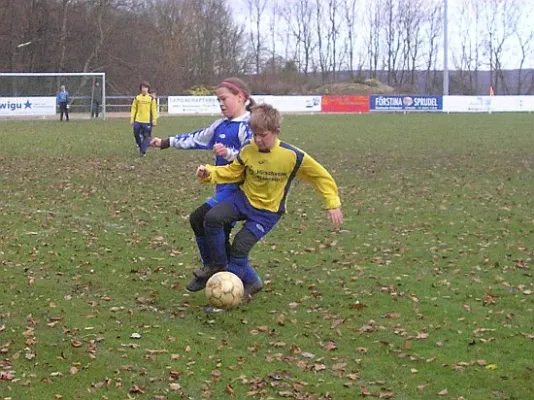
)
(501, 21)
(256, 9)
(349, 10)
(300, 22)
(374, 18)
(411, 17)
(434, 28)
(470, 25)
(334, 34)
(525, 44)
(323, 43)
(393, 38)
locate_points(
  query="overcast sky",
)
(512, 51)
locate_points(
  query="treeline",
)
(282, 45)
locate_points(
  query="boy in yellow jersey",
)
(143, 117)
(266, 168)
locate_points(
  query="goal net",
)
(35, 94)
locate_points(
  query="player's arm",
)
(313, 172)
(231, 173)
(133, 110)
(199, 139)
(154, 112)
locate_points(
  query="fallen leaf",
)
(422, 335)
(319, 367)
(6, 376)
(444, 392)
(330, 345)
(174, 387)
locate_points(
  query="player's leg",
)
(238, 262)
(214, 222)
(137, 132)
(146, 137)
(196, 219)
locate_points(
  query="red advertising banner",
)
(348, 104)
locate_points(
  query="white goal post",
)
(31, 93)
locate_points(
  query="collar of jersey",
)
(276, 144)
(244, 117)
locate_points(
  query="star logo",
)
(28, 104)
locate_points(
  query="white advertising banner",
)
(299, 104)
(203, 104)
(193, 105)
(488, 103)
(17, 106)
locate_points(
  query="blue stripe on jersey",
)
(298, 163)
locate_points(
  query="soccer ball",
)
(224, 290)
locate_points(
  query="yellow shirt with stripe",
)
(267, 176)
(143, 109)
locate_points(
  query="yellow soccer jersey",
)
(267, 176)
(144, 109)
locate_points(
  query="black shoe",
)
(196, 284)
(208, 271)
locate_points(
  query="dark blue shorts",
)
(259, 222)
(143, 129)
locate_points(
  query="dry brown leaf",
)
(174, 386)
(364, 392)
(444, 392)
(330, 345)
(319, 367)
(357, 306)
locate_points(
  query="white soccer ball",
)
(224, 290)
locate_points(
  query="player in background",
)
(63, 99)
(266, 169)
(143, 117)
(224, 137)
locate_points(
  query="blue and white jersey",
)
(232, 133)
(63, 97)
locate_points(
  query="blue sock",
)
(203, 250)
(216, 246)
(241, 267)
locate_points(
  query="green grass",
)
(427, 287)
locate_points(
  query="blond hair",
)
(265, 117)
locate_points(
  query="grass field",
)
(426, 292)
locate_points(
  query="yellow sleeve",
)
(313, 172)
(231, 173)
(133, 109)
(154, 112)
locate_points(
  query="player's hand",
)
(202, 172)
(154, 124)
(220, 149)
(336, 216)
(155, 142)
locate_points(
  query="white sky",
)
(511, 54)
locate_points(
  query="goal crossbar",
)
(102, 75)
